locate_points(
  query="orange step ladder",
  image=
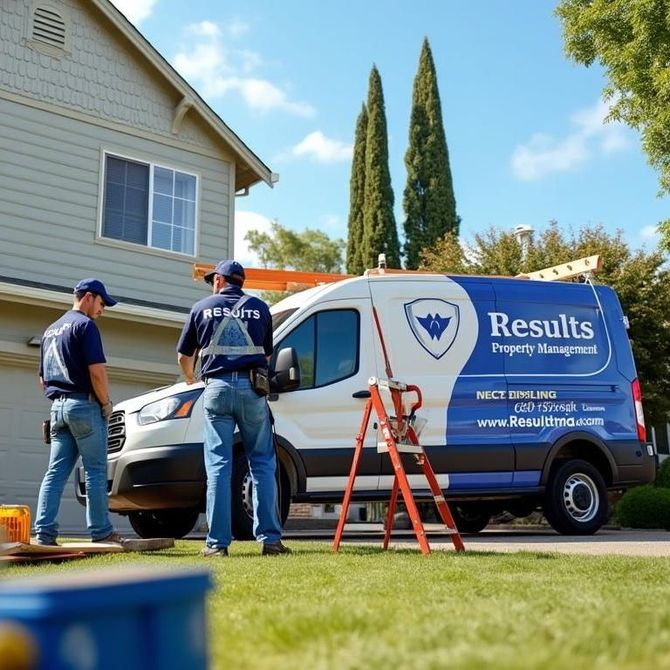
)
(399, 437)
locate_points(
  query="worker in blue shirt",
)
(232, 334)
(74, 377)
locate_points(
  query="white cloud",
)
(237, 28)
(544, 154)
(322, 149)
(649, 233)
(263, 96)
(203, 59)
(215, 68)
(244, 222)
(135, 10)
(204, 29)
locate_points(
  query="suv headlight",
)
(173, 407)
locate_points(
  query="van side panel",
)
(560, 368)
(433, 335)
(510, 368)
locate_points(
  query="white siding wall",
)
(50, 203)
(58, 114)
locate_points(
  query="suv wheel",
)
(164, 522)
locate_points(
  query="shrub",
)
(663, 474)
(645, 507)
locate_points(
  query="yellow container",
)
(15, 522)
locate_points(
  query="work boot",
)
(210, 552)
(132, 544)
(46, 543)
(274, 549)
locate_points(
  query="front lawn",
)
(363, 608)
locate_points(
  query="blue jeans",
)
(229, 401)
(77, 429)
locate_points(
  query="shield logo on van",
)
(434, 323)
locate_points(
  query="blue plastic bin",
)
(140, 619)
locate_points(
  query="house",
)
(111, 165)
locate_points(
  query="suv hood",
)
(135, 404)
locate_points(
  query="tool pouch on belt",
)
(260, 381)
(46, 431)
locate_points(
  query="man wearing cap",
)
(73, 375)
(233, 334)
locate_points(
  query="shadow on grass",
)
(446, 553)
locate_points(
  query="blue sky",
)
(523, 124)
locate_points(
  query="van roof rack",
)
(270, 279)
(581, 266)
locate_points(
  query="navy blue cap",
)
(95, 286)
(225, 269)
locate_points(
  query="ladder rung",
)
(402, 447)
(387, 384)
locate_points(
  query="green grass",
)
(364, 608)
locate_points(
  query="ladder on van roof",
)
(270, 279)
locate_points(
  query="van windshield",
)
(279, 317)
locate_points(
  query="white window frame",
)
(150, 208)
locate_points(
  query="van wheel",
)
(164, 522)
(576, 499)
(242, 507)
(470, 517)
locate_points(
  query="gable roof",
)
(249, 168)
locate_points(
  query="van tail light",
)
(639, 414)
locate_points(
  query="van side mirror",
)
(285, 376)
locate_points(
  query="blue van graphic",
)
(434, 323)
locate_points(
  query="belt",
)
(74, 396)
(230, 374)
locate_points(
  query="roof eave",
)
(250, 169)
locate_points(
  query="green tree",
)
(641, 279)
(284, 249)
(380, 234)
(308, 251)
(429, 202)
(631, 40)
(355, 264)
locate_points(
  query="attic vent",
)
(48, 27)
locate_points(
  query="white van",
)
(530, 394)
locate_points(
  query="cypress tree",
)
(429, 202)
(380, 234)
(355, 264)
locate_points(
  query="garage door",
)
(24, 457)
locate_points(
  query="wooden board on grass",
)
(26, 549)
(33, 558)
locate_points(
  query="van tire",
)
(241, 503)
(174, 523)
(469, 517)
(576, 501)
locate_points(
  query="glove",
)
(107, 410)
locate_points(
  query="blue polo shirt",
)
(68, 347)
(229, 337)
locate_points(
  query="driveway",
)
(504, 539)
